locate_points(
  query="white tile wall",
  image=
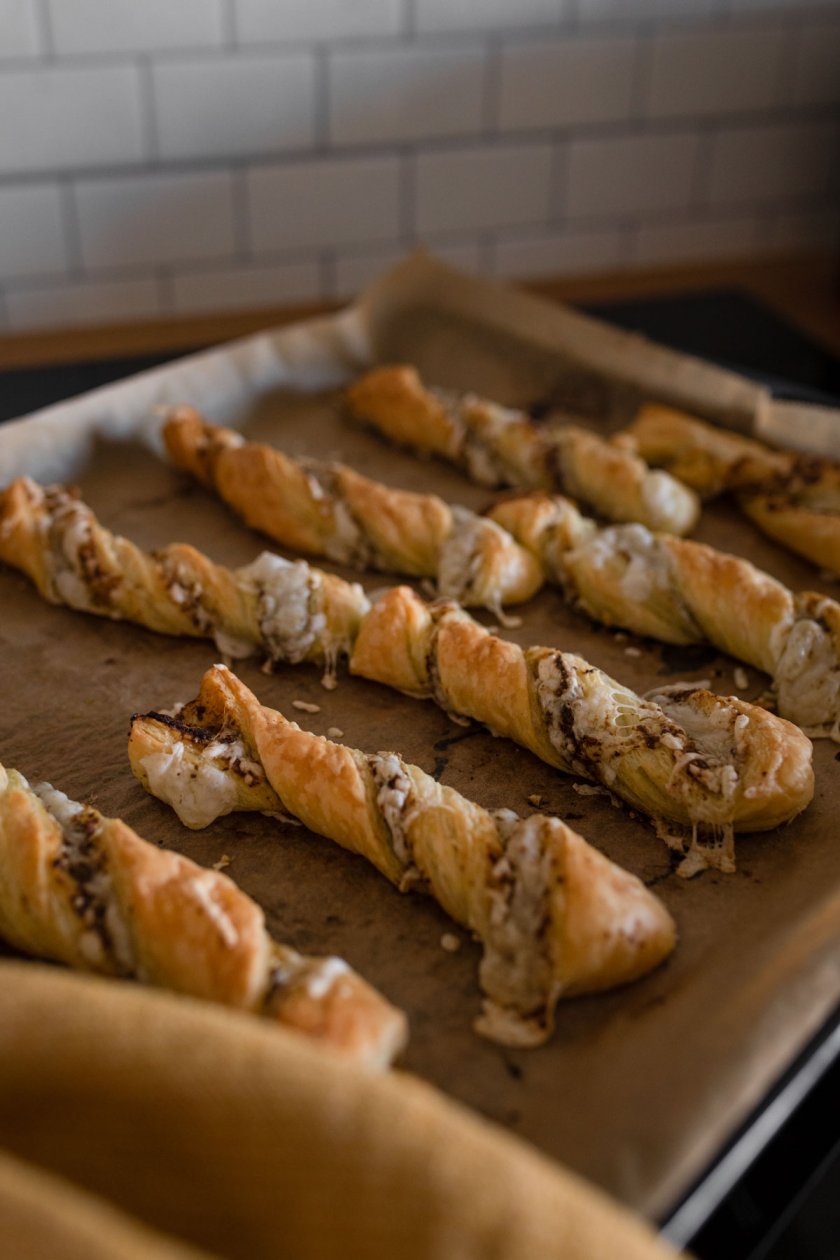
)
(716, 72)
(32, 239)
(307, 205)
(142, 220)
(472, 15)
(405, 94)
(632, 174)
(242, 288)
(238, 105)
(489, 186)
(562, 83)
(59, 118)
(172, 157)
(105, 26)
(259, 20)
(102, 302)
(566, 253)
(18, 29)
(773, 162)
(696, 241)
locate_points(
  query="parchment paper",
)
(639, 1088)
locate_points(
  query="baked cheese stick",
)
(290, 611)
(327, 509)
(555, 917)
(701, 766)
(85, 890)
(680, 591)
(497, 446)
(794, 499)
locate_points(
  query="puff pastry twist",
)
(290, 611)
(497, 446)
(794, 499)
(682, 591)
(327, 509)
(711, 765)
(555, 917)
(85, 890)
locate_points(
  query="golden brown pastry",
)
(290, 611)
(700, 765)
(85, 890)
(555, 917)
(682, 591)
(497, 446)
(794, 499)
(330, 510)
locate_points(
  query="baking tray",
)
(639, 1089)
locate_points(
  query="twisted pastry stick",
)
(291, 611)
(330, 510)
(500, 447)
(555, 917)
(794, 499)
(710, 764)
(85, 890)
(682, 591)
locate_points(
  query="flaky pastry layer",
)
(794, 499)
(327, 509)
(555, 917)
(680, 591)
(498, 446)
(709, 764)
(289, 611)
(87, 891)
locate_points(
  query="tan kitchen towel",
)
(140, 1118)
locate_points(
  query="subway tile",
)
(634, 10)
(32, 236)
(631, 174)
(405, 94)
(479, 15)
(114, 26)
(696, 241)
(324, 203)
(358, 268)
(137, 220)
(259, 20)
(18, 29)
(817, 71)
(468, 189)
(247, 288)
(562, 83)
(99, 302)
(559, 254)
(65, 118)
(715, 72)
(773, 161)
(236, 105)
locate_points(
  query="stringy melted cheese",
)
(286, 591)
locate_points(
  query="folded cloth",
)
(162, 1127)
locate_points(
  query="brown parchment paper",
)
(638, 1089)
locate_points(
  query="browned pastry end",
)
(87, 891)
(499, 446)
(700, 765)
(330, 510)
(555, 917)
